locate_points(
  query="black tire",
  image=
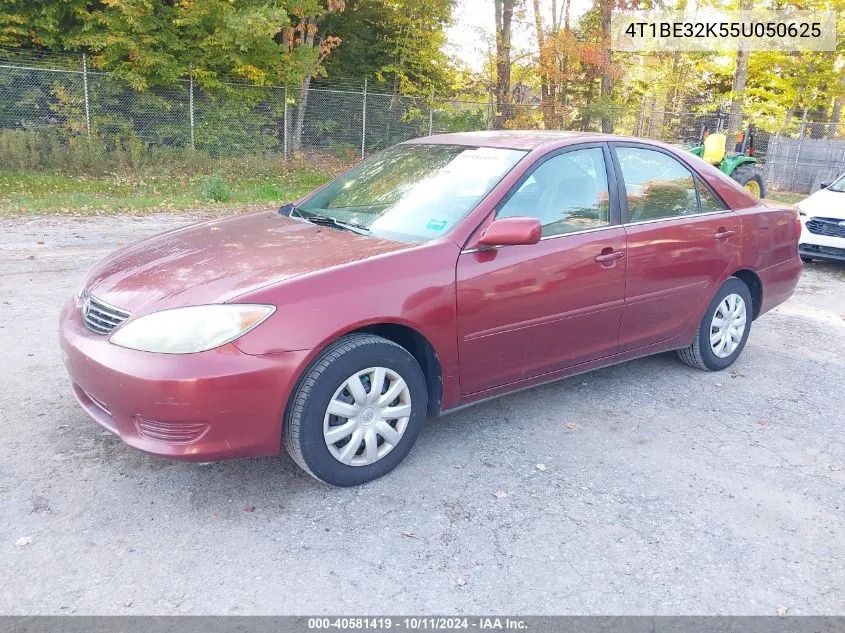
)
(699, 354)
(303, 424)
(747, 172)
(807, 260)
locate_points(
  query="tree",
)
(607, 69)
(154, 42)
(415, 44)
(547, 66)
(40, 24)
(309, 48)
(836, 112)
(739, 82)
(504, 16)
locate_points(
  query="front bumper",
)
(820, 246)
(827, 253)
(207, 406)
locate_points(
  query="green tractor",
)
(741, 164)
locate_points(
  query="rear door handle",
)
(608, 257)
(723, 234)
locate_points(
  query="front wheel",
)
(357, 411)
(724, 329)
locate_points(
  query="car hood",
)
(218, 260)
(824, 204)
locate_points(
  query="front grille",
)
(826, 226)
(100, 317)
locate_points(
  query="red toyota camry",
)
(441, 272)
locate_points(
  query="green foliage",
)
(399, 42)
(153, 43)
(149, 49)
(462, 119)
(214, 189)
(164, 181)
(51, 148)
(41, 23)
(343, 151)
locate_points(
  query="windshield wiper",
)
(292, 211)
(324, 220)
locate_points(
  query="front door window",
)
(567, 193)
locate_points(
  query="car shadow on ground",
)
(457, 440)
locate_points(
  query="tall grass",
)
(48, 148)
(43, 172)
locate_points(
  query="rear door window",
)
(709, 202)
(656, 185)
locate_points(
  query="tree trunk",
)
(390, 106)
(836, 113)
(835, 117)
(300, 112)
(547, 88)
(606, 75)
(672, 105)
(563, 63)
(738, 89)
(504, 17)
(790, 113)
(303, 99)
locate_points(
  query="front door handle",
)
(608, 257)
(723, 234)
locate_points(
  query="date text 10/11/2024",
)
(418, 623)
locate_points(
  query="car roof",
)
(511, 139)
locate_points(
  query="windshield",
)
(413, 193)
(838, 185)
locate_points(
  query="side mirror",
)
(824, 185)
(512, 232)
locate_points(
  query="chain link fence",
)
(52, 102)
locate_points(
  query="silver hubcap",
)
(727, 326)
(367, 416)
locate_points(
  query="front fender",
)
(413, 287)
(729, 163)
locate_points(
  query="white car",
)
(823, 223)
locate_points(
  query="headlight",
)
(194, 329)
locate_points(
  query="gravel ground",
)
(666, 490)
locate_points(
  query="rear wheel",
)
(751, 178)
(724, 329)
(807, 260)
(357, 411)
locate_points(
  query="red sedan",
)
(441, 272)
